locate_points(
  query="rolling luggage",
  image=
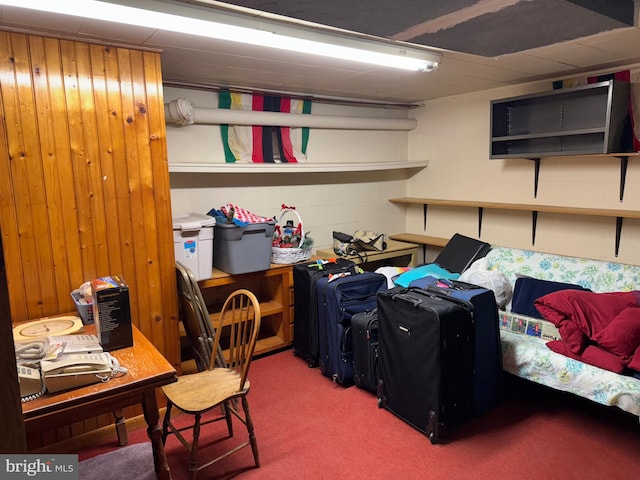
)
(487, 378)
(364, 339)
(426, 359)
(305, 323)
(339, 298)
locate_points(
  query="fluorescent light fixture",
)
(324, 44)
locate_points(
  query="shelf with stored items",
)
(535, 209)
(292, 168)
(272, 287)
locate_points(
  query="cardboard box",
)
(112, 312)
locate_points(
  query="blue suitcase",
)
(339, 298)
(487, 379)
(305, 323)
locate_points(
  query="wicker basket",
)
(290, 255)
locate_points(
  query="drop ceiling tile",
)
(577, 55)
(119, 32)
(23, 18)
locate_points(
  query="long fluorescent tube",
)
(363, 50)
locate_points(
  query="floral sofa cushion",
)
(596, 275)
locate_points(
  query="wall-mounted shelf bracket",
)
(624, 162)
(536, 175)
(618, 234)
(618, 214)
(424, 217)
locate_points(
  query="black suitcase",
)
(487, 378)
(426, 359)
(364, 339)
(305, 323)
(338, 300)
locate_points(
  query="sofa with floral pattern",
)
(526, 341)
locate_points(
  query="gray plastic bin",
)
(243, 249)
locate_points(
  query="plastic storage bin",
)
(85, 310)
(243, 249)
(193, 242)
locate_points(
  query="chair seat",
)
(201, 391)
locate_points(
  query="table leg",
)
(152, 417)
(121, 427)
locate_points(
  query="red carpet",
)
(309, 428)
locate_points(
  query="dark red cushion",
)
(580, 314)
(592, 354)
(622, 335)
(634, 364)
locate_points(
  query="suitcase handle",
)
(403, 295)
(433, 292)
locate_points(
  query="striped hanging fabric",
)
(263, 144)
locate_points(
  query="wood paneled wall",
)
(84, 181)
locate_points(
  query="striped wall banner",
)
(263, 144)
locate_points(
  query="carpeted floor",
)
(310, 428)
(136, 460)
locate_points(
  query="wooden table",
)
(147, 370)
(394, 252)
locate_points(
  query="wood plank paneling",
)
(85, 184)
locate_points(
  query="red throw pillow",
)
(580, 314)
(622, 335)
(593, 355)
(634, 364)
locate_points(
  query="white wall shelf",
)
(193, 167)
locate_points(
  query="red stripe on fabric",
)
(623, 76)
(257, 105)
(287, 147)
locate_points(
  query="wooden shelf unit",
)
(619, 215)
(274, 290)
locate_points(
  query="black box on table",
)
(112, 312)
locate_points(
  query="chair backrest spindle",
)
(240, 317)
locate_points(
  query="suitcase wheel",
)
(433, 427)
(381, 400)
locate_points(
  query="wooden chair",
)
(201, 392)
(195, 319)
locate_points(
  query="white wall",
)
(325, 201)
(453, 134)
